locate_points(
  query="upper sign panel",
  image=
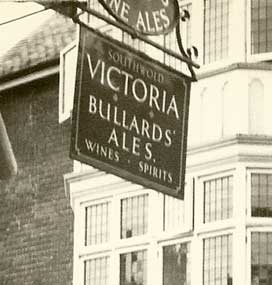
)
(150, 17)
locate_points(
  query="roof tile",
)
(41, 47)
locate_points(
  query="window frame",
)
(92, 187)
(258, 56)
(173, 241)
(94, 256)
(215, 235)
(251, 220)
(249, 231)
(94, 203)
(198, 39)
(115, 246)
(201, 226)
(64, 112)
(134, 240)
(131, 249)
(222, 61)
(228, 36)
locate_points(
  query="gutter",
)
(29, 75)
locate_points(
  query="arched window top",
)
(203, 92)
(225, 87)
(256, 85)
(227, 127)
(256, 106)
(209, 115)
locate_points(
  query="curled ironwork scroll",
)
(192, 51)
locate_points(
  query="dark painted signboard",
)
(130, 114)
(150, 17)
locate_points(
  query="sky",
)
(11, 33)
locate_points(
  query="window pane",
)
(261, 195)
(176, 264)
(133, 268)
(96, 271)
(218, 199)
(261, 14)
(216, 25)
(261, 258)
(134, 216)
(217, 261)
(97, 224)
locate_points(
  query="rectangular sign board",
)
(130, 114)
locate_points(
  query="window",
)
(217, 260)
(96, 271)
(261, 258)
(176, 264)
(134, 216)
(261, 195)
(261, 26)
(216, 30)
(218, 199)
(133, 269)
(97, 224)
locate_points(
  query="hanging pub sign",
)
(130, 114)
(150, 17)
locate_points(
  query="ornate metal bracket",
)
(184, 56)
(185, 16)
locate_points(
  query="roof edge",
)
(28, 77)
(235, 66)
(29, 70)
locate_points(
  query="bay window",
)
(177, 264)
(134, 216)
(97, 224)
(261, 26)
(261, 195)
(216, 30)
(218, 199)
(261, 258)
(96, 271)
(217, 262)
(133, 268)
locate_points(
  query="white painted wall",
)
(219, 106)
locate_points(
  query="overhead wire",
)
(24, 16)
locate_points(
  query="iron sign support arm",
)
(183, 57)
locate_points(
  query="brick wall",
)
(36, 221)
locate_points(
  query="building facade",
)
(222, 232)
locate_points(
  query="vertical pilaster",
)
(239, 235)
(196, 261)
(79, 226)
